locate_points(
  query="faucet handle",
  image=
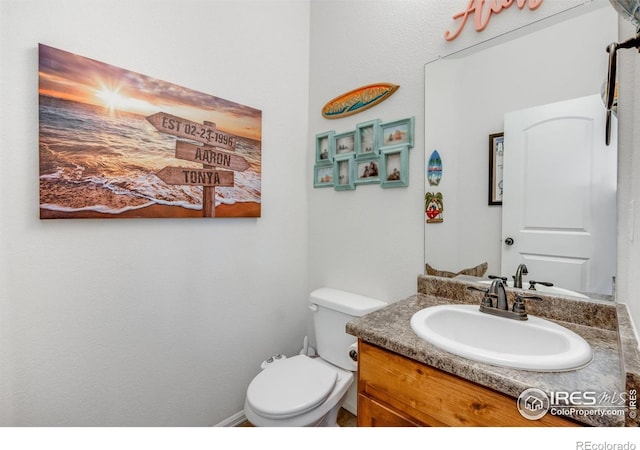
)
(518, 304)
(495, 277)
(532, 284)
(487, 300)
(528, 297)
(474, 288)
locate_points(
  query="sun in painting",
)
(110, 97)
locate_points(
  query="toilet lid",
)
(291, 387)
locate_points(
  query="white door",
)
(559, 201)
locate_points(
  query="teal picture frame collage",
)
(373, 153)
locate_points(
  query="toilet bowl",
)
(305, 392)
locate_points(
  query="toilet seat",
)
(291, 387)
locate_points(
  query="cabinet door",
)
(428, 396)
(374, 414)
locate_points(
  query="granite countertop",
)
(390, 328)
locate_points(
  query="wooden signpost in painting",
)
(195, 177)
(205, 133)
(209, 155)
(206, 154)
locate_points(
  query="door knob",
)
(508, 241)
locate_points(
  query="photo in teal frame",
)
(367, 136)
(325, 150)
(397, 133)
(323, 174)
(394, 166)
(344, 172)
(367, 169)
(345, 143)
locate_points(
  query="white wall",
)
(368, 240)
(151, 322)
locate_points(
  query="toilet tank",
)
(332, 309)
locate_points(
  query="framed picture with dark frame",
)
(367, 170)
(496, 155)
(325, 149)
(343, 172)
(345, 143)
(396, 133)
(367, 134)
(394, 166)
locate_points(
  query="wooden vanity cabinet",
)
(395, 391)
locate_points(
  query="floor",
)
(345, 419)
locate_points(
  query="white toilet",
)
(307, 392)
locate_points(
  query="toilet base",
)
(328, 420)
(331, 419)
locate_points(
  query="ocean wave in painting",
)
(94, 159)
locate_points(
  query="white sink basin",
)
(551, 290)
(534, 344)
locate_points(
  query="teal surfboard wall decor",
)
(434, 169)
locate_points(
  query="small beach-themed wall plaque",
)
(119, 144)
(433, 207)
(434, 169)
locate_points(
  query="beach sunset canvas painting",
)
(118, 144)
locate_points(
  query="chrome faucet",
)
(517, 279)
